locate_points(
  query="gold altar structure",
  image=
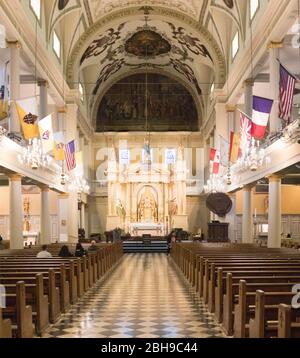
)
(146, 197)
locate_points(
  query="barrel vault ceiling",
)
(187, 40)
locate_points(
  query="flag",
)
(27, 111)
(3, 103)
(215, 160)
(79, 163)
(234, 147)
(245, 133)
(261, 112)
(70, 155)
(59, 146)
(46, 133)
(286, 93)
(224, 151)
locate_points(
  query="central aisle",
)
(145, 295)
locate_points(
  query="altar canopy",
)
(146, 198)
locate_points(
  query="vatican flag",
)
(59, 146)
(79, 163)
(3, 103)
(234, 147)
(46, 133)
(27, 111)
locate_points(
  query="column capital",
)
(42, 83)
(15, 177)
(275, 44)
(249, 82)
(13, 44)
(62, 109)
(230, 108)
(274, 178)
(63, 196)
(44, 187)
(249, 187)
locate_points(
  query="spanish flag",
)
(27, 111)
(3, 104)
(234, 147)
(59, 146)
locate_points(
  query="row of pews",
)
(38, 291)
(249, 289)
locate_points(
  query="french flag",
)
(261, 112)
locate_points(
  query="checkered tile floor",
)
(145, 295)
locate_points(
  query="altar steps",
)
(145, 247)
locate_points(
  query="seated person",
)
(2, 246)
(93, 246)
(65, 252)
(79, 251)
(44, 254)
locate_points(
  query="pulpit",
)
(218, 232)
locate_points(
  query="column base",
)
(180, 222)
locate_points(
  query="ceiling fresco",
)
(183, 39)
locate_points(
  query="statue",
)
(26, 209)
(147, 152)
(147, 208)
(121, 212)
(173, 207)
(180, 152)
(112, 154)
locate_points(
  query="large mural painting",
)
(168, 106)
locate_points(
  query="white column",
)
(231, 219)
(45, 227)
(43, 105)
(274, 219)
(231, 119)
(248, 92)
(63, 217)
(15, 212)
(247, 223)
(274, 48)
(82, 216)
(14, 84)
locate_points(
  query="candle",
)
(255, 213)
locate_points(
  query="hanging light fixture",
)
(215, 184)
(32, 155)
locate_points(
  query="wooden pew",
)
(264, 323)
(36, 298)
(19, 313)
(244, 310)
(5, 327)
(287, 325)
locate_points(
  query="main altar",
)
(146, 197)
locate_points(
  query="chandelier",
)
(215, 184)
(253, 158)
(33, 155)
(79, 184)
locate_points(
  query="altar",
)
(140, 229)
(146, 197)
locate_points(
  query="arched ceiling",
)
(188, 40)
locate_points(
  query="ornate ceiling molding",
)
(132, 12)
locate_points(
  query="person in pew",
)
(79, 250)
(93, 246)
(65, 252)
(44, 253)
(2, 246)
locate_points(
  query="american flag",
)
(245, 131)
(70, 155)
(286, 93)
